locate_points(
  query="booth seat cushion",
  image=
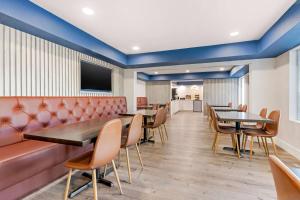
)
(25, 159)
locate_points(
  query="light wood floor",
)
(185, 168)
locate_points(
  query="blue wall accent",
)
(190, 83)
(28, 17)
(142, 76)
(243, 71)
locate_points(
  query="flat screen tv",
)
(95, 77)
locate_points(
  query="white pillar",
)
(130, 84)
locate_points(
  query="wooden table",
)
(146, 115)
(218, 105)
(226, 109)
(78, 134)
(239, 117)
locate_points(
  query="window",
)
(298, 84)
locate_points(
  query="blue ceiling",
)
(30, 18)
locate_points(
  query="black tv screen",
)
(95, 77)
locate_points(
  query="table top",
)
(78, 134)
(226, 109)
(218, 105)
(241, 117)
(144, 112)
(145, 107)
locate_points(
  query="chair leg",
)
(105, 169)
(95, 185)
(166, 131)
(68, 185)
(258, 141)
(243, 140)
(216, 143)
(161, 137)
(237, 145)
(117, 176)
(128, 165)
(162, 132)
(267, 146)
(264, 145)
(251, 147)
(233, 141)
(245, 143)
(139, 154)
(274, 146)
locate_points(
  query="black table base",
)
(146, 139)
(242, 151)
(100, 179)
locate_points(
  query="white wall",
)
(158, 91)
(31, 66)
(269, 87)
(141, 88)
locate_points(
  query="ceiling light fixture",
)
(87, 11)
(222, 69)
(233, 34)
(135, 48)
(155, 72)
(187, 71)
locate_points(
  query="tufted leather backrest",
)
(19, 115)
(141, 101)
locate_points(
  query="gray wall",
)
(30, 66)
(158, 91)
(220, 91)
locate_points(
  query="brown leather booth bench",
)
(27, 165)
(141, 102)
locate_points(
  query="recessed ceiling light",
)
(155, 72)
(135, 48)
(236, 33)
(187, 71)
(87, 11)
(222, 68)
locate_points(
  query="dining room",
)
(149, 99)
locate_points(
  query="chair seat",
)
(225, 125)
(81, 162)
(227, 130)
(257, 132)
(149, 125)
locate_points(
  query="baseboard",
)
(288, 148)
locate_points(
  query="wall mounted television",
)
(94, 77)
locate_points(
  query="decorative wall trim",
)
(31, 66)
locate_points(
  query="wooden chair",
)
(106, 149)
(163, 123)
(130, 138)
(244, 108)
(240, 107)
(286, 182)
(152, 126)
(269, 131)
(258, 125)
(224, 131)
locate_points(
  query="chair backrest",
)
(240, 107)
(230, 104)
(272, 128)
(165, 115)
(214, 120)
(108, 144)
(244, 108)
(135, 130)
(262, 113)
(286, 182)
(159, 117)
(155, 106)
